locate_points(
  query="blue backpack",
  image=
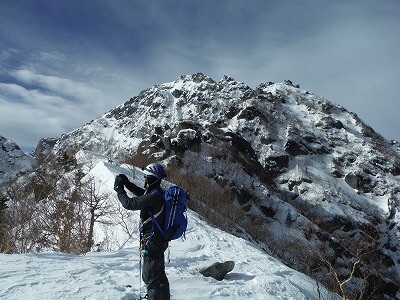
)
(175, 214)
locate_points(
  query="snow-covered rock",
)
(44, 148)
(12, 160)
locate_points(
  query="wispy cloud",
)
(33, 106)
(65, 87)
(37, 102)
(59, 61)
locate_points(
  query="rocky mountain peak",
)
(12, 160)
(301, 175)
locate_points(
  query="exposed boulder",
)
(186, 138)
(352, 180)
(295, 148)
(395, 170)
(329, 122)
(274, 164)
(176, 93)
(218, 270)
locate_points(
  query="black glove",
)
(124, 179)
(118, 185)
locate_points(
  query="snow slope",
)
(106, 275)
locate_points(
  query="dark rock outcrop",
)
(218, 270)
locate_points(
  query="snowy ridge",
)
(105, 275)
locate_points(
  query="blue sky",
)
(64, 63)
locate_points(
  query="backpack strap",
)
(153, 218)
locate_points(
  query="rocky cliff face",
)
(310, 180)
(44, 148)
(12, 160)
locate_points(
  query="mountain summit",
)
(305, 177)
(302, 177)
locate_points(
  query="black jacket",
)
(147, 200)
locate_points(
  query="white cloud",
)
(34, 114)
(345, 52)
(50, 94)
(62, 86)
(19, 103)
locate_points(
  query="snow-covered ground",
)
(115, 274)
(105, 275)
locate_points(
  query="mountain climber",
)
(152, 245)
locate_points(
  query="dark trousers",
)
(155, 278)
